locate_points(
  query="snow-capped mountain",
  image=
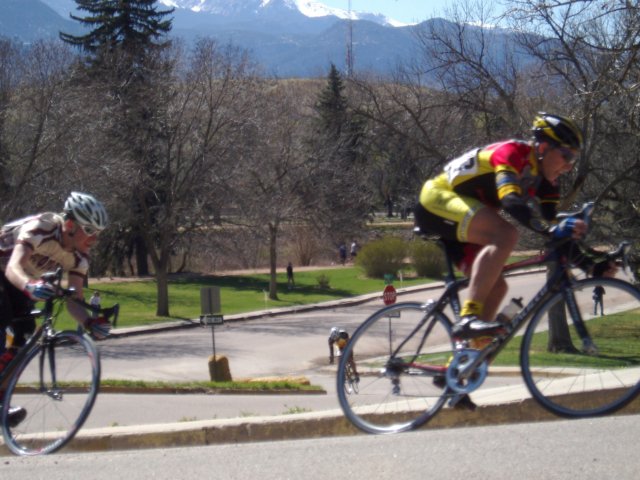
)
(249, 8)
(308, 8)
(289, 38)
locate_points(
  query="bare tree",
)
(273, 169)
(200, 126)
(36, 126)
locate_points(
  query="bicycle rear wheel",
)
(401, 353)
(57, 383)
(576, 376)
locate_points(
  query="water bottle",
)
(510, 310)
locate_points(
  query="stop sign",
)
(389, 295)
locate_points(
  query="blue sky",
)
(406, 11)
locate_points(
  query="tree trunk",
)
(162, 282)
(142, 264)
(559, 336)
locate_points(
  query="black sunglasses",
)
(568, 155)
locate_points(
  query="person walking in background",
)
(290, 282)
(95, 302)
(354, 250)
(598, 294)
(342, 250)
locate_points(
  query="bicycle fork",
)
(49, 354)
(588, 346)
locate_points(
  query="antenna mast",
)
(350, 44)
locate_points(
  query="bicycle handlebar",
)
(55, 279)
(585, 213)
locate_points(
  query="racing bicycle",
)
(574, 363)
(55, 377)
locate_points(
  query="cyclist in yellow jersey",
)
(339, 337)
(463, 203)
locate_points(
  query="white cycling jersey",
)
(43, 234)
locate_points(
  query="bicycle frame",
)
(558, 281)
(22, 351)
(45, 329)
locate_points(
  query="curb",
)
(291, 427)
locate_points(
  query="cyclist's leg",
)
(352, 362)
(6, 312)
(468, 221)
(16, 304)
(498, 238)
(12, 303)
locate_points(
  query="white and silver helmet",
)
(86, 211)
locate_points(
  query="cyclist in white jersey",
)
(38, 244)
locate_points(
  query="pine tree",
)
(123, 48)
(332, 104)
(132, 26)
(339, 181)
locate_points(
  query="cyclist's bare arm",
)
(15, 271)
(77, 311)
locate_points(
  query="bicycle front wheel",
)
(401, 353)
(581, 362)
(56, 383)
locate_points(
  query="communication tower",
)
(349, 59)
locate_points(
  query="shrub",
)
(428, 259)
(323, 281)
(383, 256)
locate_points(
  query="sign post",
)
(210, 317)
(210, 308)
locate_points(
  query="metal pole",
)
(213, 341)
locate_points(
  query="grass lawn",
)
(238, 293)
(615, 334)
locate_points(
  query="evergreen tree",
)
(332, 104)
(339, 183)
(128, 25)
(125, 48)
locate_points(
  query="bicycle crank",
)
(462, 376)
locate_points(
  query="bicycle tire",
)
(575, 380)
(395, 395)
(56, 410)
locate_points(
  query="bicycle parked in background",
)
(55, 377)
(574, 363)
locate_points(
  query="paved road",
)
(564, 450)
(292, 344)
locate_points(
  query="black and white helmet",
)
(86, 210)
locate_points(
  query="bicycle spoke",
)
(400, 366)
(575, 375)
(57, 384)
